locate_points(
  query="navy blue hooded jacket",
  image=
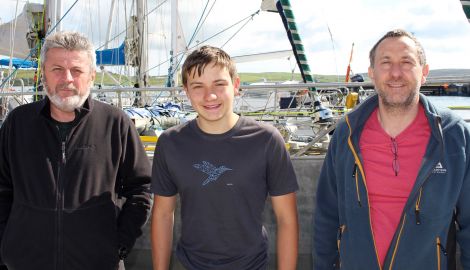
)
(343, 235)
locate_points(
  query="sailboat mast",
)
(53, 15)
(287, 16)
(58, 15)
(173, 68)
(142, 29)
(110, 24)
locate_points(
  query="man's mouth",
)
(395, 85)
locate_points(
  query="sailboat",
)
(161, 108)
(123, 58)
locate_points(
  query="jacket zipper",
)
(398, 242)
(355, 175)
(417, 206)
(361, 170)
(439, 248)
(341, 229)
(60, 206)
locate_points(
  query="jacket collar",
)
(358, 117)
(45, 107)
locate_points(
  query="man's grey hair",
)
(397, 33)
(72, 41)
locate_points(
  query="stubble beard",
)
(402, 106)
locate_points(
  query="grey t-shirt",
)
(223, 181)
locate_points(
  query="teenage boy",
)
(223, 166)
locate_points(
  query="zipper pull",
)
(417, 208)
(354, 170)
(340, 232)
(418, 217)
(63, 153)
(444, 251)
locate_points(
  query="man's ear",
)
(425, 73)
(370, 72)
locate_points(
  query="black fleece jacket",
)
(72, 204)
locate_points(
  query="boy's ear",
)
(236, 86)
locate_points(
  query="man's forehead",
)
(402, 47)
(64, 54)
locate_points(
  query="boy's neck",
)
(218, 127)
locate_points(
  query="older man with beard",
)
(396, 178)
(65, 163)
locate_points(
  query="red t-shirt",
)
(389, 192)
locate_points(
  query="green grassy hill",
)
(246, 78)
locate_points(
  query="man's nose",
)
(67, 76)
(396, 70)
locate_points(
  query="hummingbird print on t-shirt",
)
(211, 170)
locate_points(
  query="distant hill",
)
(247, 78)
(449, 72)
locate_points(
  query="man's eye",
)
(77, 71)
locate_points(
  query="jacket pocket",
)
(339, 236)
(29, 239)
(90, 237)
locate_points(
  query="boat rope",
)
(65, 14)
(12, 39)
(209, 38)
(334, 49)
(201, 21)
(238, 31)
(127, 27)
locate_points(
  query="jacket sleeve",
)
(134, 186)
(6, 188)
(326, 219)
(463, 206)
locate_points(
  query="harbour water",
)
(454, 102)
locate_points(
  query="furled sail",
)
(21, 33)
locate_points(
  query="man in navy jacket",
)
(396, 178)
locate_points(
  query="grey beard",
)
(69, 104)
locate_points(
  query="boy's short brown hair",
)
(203, 56)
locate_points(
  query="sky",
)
(328, 29)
